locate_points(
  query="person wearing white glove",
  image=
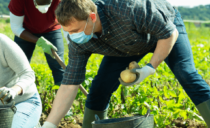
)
(17, 84)
(122, 36)
(7, 95)
(141, 74)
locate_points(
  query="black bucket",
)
(6, 115)
(137, 121)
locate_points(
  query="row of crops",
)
(161, 92)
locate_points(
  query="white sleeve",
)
(16, 23)
(17, 61)
(65, 35)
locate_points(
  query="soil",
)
(71, 122)
(180, 123)
(76, 121)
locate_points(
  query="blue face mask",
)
(81, 37)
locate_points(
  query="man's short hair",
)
(79, 9)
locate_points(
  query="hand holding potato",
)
(134, 74)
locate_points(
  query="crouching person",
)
(17, 84)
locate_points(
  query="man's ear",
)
(93, 17)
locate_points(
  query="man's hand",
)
(141, 73)
(46, 46)
(7, 95)
(48, 125)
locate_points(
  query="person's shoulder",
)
(18, 1)
(116, 4)
(120, 2)
(5, 41)
(116, 7)
(3, 44)
(57, 1)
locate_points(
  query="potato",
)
(127, 76)
(133, 65)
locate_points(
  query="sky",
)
(189, 3)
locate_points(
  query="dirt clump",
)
(70, 122)
(180, 123)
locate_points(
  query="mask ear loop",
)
(93, 27)
(85, 26)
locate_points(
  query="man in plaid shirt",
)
(123, 31)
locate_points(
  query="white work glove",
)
(141, 74)
(48, 125)
(7, 95)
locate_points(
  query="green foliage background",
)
(160, 92)
(4, 7)
(196, 13)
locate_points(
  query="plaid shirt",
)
(129, 27)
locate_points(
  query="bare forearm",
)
(26, 35)
(163, 48)
(62, 103)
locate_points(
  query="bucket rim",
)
(4, 108)
(137, 117)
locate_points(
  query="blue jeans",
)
(180, 61)
(55, 37)
(28, 113)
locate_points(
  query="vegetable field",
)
(161, 92)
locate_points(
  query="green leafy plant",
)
(161, 93)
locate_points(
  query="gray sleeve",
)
(17, 61)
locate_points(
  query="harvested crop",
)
(127, 76)
(133, 65)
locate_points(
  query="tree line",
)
(4, 7)
(201, 12)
